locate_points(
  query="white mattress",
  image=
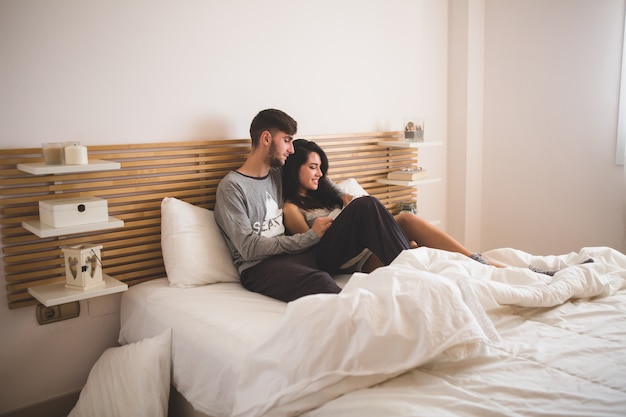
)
(553, 357)
(214, 326)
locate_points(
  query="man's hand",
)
(321, 225)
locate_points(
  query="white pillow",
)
(130, 380)
(194, 250)
(352, 187)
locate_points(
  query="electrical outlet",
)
(59, 312)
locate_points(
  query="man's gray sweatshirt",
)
(249, 211)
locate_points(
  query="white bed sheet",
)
(564, 360)
(214, 327)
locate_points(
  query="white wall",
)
(465, 120)
(552, 76)
(550, 89)
(119, 71)
(108, 72)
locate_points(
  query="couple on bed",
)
(275, 215)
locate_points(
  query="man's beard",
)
(274, 159)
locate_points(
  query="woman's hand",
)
(321, 225)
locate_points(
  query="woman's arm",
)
(294, 219)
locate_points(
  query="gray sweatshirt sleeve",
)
(241, 219)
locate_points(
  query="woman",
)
(310, 194)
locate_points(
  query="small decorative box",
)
(68, 212)
(83, 268)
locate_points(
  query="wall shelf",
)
(42, 230)
(53, 294)
(40, 168)
(407, 144)
(414, 183)
(409, 183)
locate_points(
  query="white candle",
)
(76, 155)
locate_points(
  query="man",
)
(248, 210)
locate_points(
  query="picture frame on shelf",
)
(414, 129)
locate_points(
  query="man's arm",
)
(232, 218)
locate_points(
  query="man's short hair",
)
(272, 120)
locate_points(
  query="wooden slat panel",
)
(149, 172)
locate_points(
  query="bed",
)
(434, 333)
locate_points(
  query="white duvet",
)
(434, 325)
(399, 317)
(379, 326)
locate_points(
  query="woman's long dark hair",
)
(326, 196)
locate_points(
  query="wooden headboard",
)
(189, 171)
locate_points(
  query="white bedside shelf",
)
(42, 230)
(406, 144)
(39, 168)
(409, 183)
(56, 293)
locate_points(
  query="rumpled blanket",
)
(425, 304)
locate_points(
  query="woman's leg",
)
(364, 223)
(371, 264)
(426, 234)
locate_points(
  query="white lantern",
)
(83, 269)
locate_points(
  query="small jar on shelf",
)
(408, 206)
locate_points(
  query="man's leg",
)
(364, 223)
(288, 277)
